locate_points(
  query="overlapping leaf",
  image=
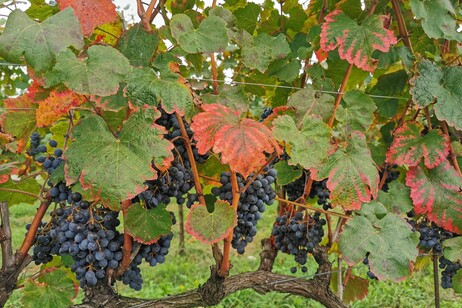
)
(453, 249)
(55, 106)
(437, 193)
(212, 227)
(91, 13)
(145, 87)
(39, 42)
(438, 18)
(210, 36)
(442, 85)
(309, 141)
(357, 111)
(397, 199)
(138, 45)
(233, 97)
(147, 225)
(117, 167)
(13, 198)
(309, 101)
(286, 173)
(356, 43)
(99, 74)
(241, 142)
(353, 177)
(356, 287)
(409, 147)
(390, 242)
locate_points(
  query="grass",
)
(183, 272)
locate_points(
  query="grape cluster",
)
(295, 189)
(449, 271)
(50, 162)
(298, 235)
(431, 236)
(392, 175)
(319, 189)
(265, 114)
(251, 204)
(35, 139)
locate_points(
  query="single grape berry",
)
(53, 143)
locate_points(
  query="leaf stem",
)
(427, 115)
(340, 93)
(214, 73)
(26, 193)
(452, 154)
(402, 25)
(306, 206)
(128, 243)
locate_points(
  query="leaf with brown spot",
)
(56, 105)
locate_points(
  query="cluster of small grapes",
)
(50, 162)
(319, 189)
(35, 139)
(60, 193)
(431, 236)
(251, 204)
(265, 114)
(392, 175)
(298, 235)
(369, 273)
(295, 189)
(449, 271)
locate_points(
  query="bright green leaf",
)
(147, 225)
(398, 199)
(233, 97)
(287, 173)
(357, 111)
(309, 102)
(247, 17)
(29, 185)
(453, 249)
(138, 45)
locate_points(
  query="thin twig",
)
(18, 191)
(306, 206)
(452, 154)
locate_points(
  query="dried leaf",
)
(56, 105)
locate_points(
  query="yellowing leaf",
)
(56, 105)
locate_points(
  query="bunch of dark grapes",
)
(52, 161)
(449, 271)
(251, 204)
(298, 235)
(319, 189)
(431, 236)
(369, 273)
(265, 114)
(60, 193)
(392, 175)
(35, 139)
(295, 189)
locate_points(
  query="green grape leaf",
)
(145, 87)
(233, 97)
(99, 74)
(356, 43)
(287, 173)
(453, 249)
(263, 50)
(309, 141)
(39, 43)
(457, 282)
(357, 110)
(247, 17)
(390, 242)
(438, 18)
(113, 103)
(29, 185)
(138, 45)
(285, 69)
(397, 199)
(437, 193)
(212, 227)
(409, 146)
(147, 225)
(308, 101)
(353, 177)
(440, 84)
(210, 36)
(117, 167)
(53, 288)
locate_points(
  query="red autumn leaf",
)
(437, 193)
(356, 43)
(91, 13)
(321, 55)
(409, 147)
(56, 105)
(241, 142)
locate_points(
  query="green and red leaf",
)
(55, 106)
(212, 227)
(356, 43)
(242, 143)
(409, 146)
(437, 193)
(353, 177)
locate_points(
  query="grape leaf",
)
(91, 13)
(53, 288)
(442, 85)
(264, 49)
(116, 168)
(233, 97)
(309, 101)
(437, 193)
(56, 105)
(114, 102)
(356, 42)
(212, 227)
(145, 87)
(147, 225)
(210, 36)
(357, 110)
(5, 171)
(241, 142)
(99, 74)
(12, 198)
(39, 42)
(355, 289)
(138, 45)
(437, 18)
(453, 249)
(409, 147)
(397, 199)
(247, 17)
(353, 177)
(391, 244)
(286, 173)
(457, 282)
(19, 121)
(309, 141)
